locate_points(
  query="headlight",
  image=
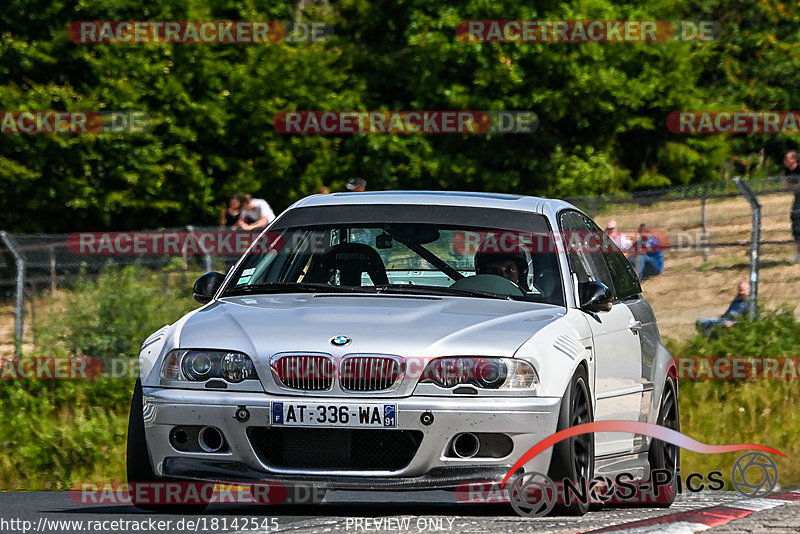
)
(202, 365)
(197, 366)
(237, 367)
(486, 373)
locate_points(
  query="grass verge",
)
(759, 411)
(54, 433)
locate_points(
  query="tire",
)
(662, 455)
(573, 458)
(138, 459)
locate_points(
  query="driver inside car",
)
(505, 268)
(512, 265)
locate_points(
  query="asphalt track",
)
(416, 513)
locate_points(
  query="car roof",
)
(541, 205)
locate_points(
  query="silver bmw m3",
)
(408, 341)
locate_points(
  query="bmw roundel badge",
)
(340, 341)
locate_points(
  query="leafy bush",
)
(58, 432)
(110, 316)
(775, 335)
(213, 116)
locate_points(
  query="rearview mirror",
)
(415, 234)
(594, 296)
(206, 286)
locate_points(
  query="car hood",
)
(421, 327)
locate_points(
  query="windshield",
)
(432, 257)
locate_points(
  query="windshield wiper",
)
(438, 290)
(295, 287)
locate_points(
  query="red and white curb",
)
(704, 518)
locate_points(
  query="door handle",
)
(635, 326)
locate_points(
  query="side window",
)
(626, 282)
(586, 264)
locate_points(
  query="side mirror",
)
(205, 286)
(594, 296)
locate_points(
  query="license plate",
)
(330, 414)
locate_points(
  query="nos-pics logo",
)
(533, 494)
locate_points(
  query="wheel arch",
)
(664, 367)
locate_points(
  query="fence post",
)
(52, 251)
(19, 298)
(32, 329)
(703, 250)
(755, 242)
(183, 250)
(206, 255)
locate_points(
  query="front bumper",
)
(526, 420)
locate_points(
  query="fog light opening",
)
(178, 437)
(210, 439)
(466, 445)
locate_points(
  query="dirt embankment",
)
(691, 286)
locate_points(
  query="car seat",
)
(350, 260)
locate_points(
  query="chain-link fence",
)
(34, 263)
(705, 231)
(708, 228)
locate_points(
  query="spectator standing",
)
(256, 214)
(231, 215)
(738, 309)
(791, 170)
(648, 257)
(356, 184)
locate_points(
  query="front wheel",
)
(138, 459)
(573, 458)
